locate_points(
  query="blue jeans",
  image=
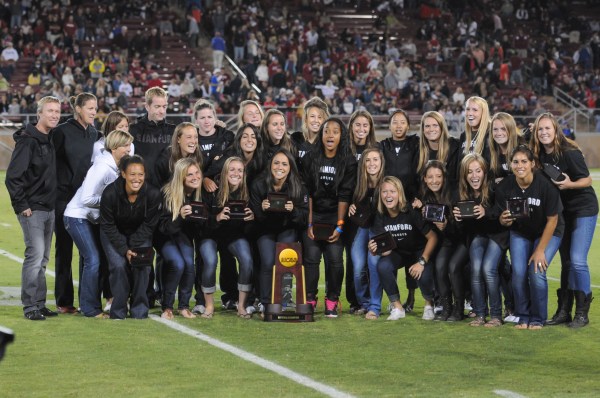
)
(574, 249)
(128, 284)
(86, 237)
(37, 234)
(177, 270)
(375, 286)
(266, 248)
(530, 289)
(485, 255)
(365, 270)
(387, 267)
(240, 249)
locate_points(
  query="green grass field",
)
(71, 356)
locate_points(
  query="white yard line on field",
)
(508, 394)
(20, 260)
(264, 363)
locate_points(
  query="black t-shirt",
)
(408, 229)
(206, 144)
(359, 151)
(544, 201)
(327, 173)
(580, 202)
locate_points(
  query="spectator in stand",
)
(174, 89)
(155, 81)
(125, 87)
(219, 47)
(458, 98)
(97, 67)
(193, 31)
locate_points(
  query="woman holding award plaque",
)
(486, 238)
(399, 226)
(330, 175)
(279, 201)
(129, 212)
(228, 221)
(573, 179)
(182, 220)
(362, 211)
(452, 256)
(534, 215)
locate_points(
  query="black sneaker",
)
(47, 312)
(35, 315)
(331, 308)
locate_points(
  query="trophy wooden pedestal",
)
(288, 264)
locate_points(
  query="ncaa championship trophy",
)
(288, 264)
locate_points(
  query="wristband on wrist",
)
(338, 229)
(310, 224)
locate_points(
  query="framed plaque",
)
(363, 214)
(199, 211)
(467, 208)
(434, 212)
(385, 242)
(518, 208)
(322, 231)
(237, 209)
(144, 258)
(277, 201)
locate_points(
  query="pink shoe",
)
(331, 308)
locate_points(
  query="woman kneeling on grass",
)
(177, 232)
(415, 243)
(534, 240)
(128, 216)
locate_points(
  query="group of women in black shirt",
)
(453, 208)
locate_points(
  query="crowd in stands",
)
(509, 53)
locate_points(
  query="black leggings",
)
(450, 263)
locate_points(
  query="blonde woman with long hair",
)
(436, 143)
(415, 244)
(477, 127)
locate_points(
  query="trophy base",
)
(275, 313)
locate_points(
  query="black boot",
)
(446, 303)
(458, 312)
(582, 307)
(565, 305)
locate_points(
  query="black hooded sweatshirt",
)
(74, 146)
(129, 225)
(31, 174)
(150, 139)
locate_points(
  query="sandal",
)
(185, 312)
(167, 314)
(492, 323)
(371, 316)
(478, 321)
(535, 326)
(207, 315)
(521, 326)
(244, 316)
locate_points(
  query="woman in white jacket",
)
(82, 215)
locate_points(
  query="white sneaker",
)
(198, 309)
(390, 307)
(250, 309)
(428, 314)
(438, 309)
(107, 306)
(396, 314)
(511, 319)
(468, 306)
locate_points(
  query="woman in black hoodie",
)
(128, 217)
(330, 175)
(74, 144)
